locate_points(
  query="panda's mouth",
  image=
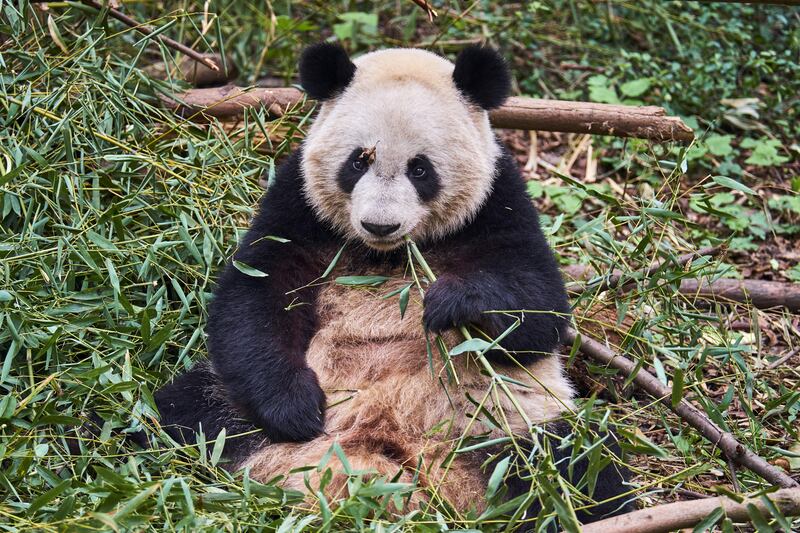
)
(384, 244)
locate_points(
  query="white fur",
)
(404, 103)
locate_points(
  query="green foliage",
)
(765, 152)
(116, 216)
(360, 28)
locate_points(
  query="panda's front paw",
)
(297, 413)
(449, 303)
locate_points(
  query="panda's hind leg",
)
(610, 489)
(197, 400)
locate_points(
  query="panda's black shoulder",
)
(508, 215)
(285, 209)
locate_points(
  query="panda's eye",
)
(358, 165)
(418, 172)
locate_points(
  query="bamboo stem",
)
(732, 448)
(468, 336)
(147, 30)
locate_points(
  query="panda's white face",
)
(399, 152)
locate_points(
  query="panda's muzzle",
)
(380, 230)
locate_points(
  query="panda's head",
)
(402, 144)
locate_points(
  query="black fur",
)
(502, 261)
(259, 330)
(610, 484)
(197, 398)
(325, 70)
(428, 184)
(482, 76)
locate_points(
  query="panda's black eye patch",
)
(352, 169)
(423, 176)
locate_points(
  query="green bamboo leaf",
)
(362, 281)
(49, 496)
(333, 262)
(497, 477)
(708, 522)
(732, 184)
(484, 444)
(219, 445)
(248, 270)
(472, 345)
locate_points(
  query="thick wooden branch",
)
(759, 293)
(230, 102)
(647, 122)
(681, 515)
(733, 449)
(644, 122)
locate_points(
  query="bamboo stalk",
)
(468, 336)
(147, 30)
(761, 294)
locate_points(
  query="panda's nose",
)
(380, 230)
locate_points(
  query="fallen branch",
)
(761, 294)
(230, 102)
(644, 122)
(731, 447)
(758, 293)
(680, 515)
(647, 122)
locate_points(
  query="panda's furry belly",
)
(393, 405)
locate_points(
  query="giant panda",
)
(401, 149)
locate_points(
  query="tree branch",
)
(759, 293)
(681, 515)
(644, 122)
(648, 122)
(194, 72)
(147, 30)
(732, 448)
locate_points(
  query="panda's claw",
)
(448, 305)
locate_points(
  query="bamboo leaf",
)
(248, 270)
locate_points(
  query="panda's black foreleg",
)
(610, 486)
(536, 298)
(261, 323)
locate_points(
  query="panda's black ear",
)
(325, 70)
(482, 76)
